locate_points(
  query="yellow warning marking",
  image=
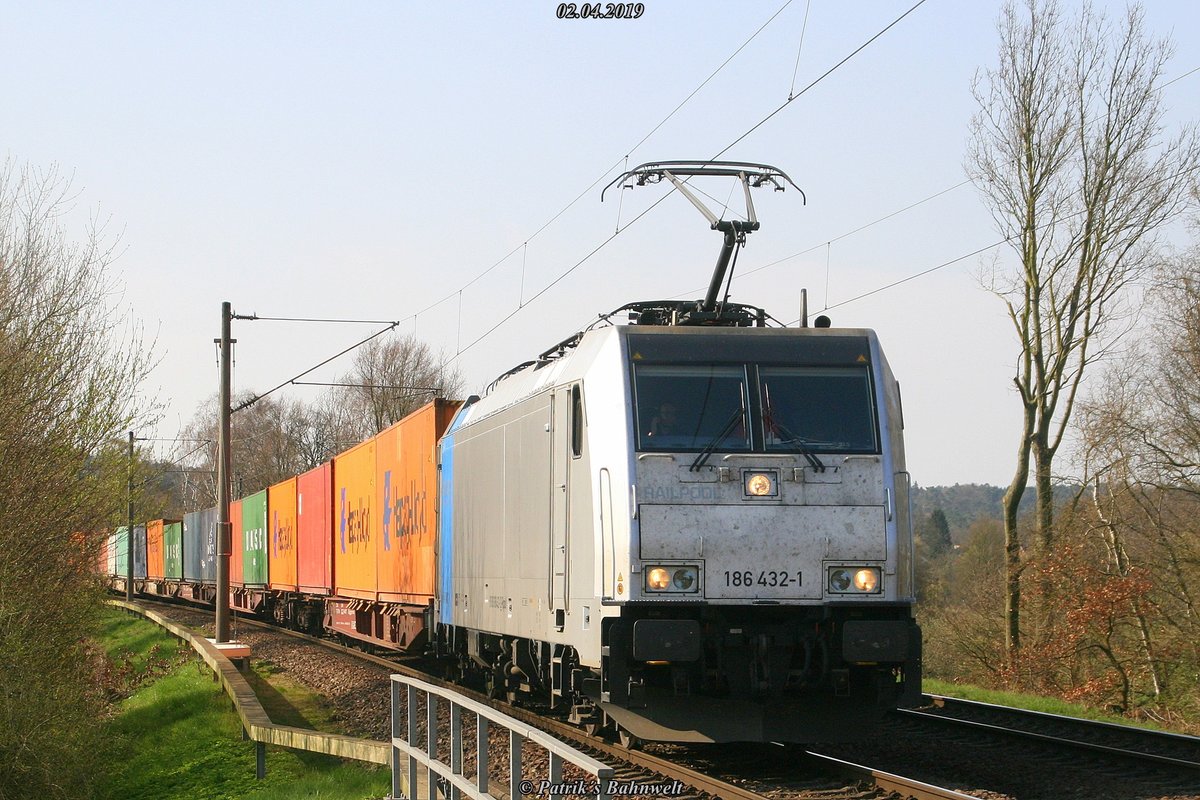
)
(862, 359)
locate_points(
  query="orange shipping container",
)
(406, 490)
(102, 555)
(235, 555)
(154, 549)
(281, 529)
(355, 571)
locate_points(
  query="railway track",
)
(806, 775)
(1140, 745)
(999, 752)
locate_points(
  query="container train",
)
(685, 526)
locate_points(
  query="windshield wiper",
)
(701, 459)
(770, 422)
(790, 438)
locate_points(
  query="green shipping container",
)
(173, 551)
(122, 547)
(254, 539)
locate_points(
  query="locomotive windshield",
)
(784, 409)
(827, 409)
(688, 407)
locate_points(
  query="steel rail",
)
(1077, 722)
(1134, 731)
(887, 781)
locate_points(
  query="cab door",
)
(560, 508)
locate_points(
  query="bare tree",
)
(1069, 153)
(271, 440)
(392, 379)
(70, 370)
(1140, 445)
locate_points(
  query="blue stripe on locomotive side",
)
(445, 552)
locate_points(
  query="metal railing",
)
(414, 748)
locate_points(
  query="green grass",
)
(289, 702)
(176, 736)
(136, 649)
(1048, 705)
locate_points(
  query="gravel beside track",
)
(973, 762)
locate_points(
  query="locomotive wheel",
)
(628, 740)
(495, 684)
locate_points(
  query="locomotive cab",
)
(769, 593)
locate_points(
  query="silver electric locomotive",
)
(691, 527)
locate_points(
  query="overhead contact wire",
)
(838, 238)
(984, 249)
(551, 285)
(339, 354)
(799, 49)
(822, 77)
(616, 164)
(755, 127)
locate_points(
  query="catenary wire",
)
(753, 128)
(985, 248)
(839, 237)
(800, 48)
(820, 78)
(608, 171)
(256, 317)
(256, 398)
(1181, 77)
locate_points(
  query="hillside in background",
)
(964, 503)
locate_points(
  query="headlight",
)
(760, 484)
(839, 580)
(854, 580)
(866, 580)
(672, 579)
(684, 579)
(658, 579)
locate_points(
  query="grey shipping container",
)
(200, 546)
(139, 552)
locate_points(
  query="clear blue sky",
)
(369, 159)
